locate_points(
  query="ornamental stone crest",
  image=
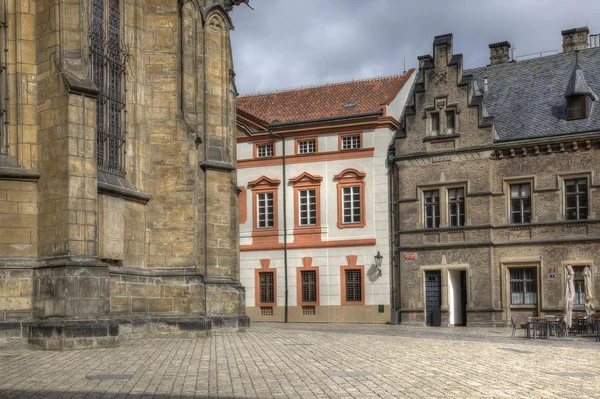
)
(440, 77)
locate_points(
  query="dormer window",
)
(579, 95)
(577, 107)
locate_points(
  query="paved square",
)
(313, 360)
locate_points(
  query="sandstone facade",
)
(118, 195)
(484, 133)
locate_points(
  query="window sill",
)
(119, 187)
(523, 306)
(442, 137)
(17, 173)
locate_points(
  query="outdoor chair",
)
(516, 326)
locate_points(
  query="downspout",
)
(285, 254)
(392, 213)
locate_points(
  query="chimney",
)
(499, 53)
(575, 39)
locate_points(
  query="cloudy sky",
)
(284, 44)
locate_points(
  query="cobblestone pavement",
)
(322, 361)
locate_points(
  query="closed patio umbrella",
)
(590, 308)
(569, 297)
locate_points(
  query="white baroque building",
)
(314, 201)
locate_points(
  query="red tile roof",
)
(319, 102)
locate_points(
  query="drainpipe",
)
(392, 213)
(285, 255)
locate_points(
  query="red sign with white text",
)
(410, 256)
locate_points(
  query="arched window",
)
(108, 70)
(4, 141)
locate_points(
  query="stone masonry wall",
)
(488, 245)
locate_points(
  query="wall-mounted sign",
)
(410, 256)
(552, 270)
(552, 275)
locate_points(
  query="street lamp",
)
(378, 259)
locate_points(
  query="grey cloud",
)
(291, 43)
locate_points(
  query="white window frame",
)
(311, 211)
(351, 142)
(262, 208)
(265, 150)
(355, 212)
(308, 146)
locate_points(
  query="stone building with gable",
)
(118, 193)
(496, 185)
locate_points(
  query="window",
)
(4, 87)
(351, 198)
(351, 142)
(351, 204)
(353, 280)
(523, 286)
(265, 210)
(309, 285)
(307, 146)
(108, 62)
(265, 285)
(456, 207)
(579, 283)
(264, 150)
(577, 107)
(267, 288)
(520, 203)
(576, 199)
(308, 207)
(432, 209)
(435, 123)
(450, 122)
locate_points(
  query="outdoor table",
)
(541, 326)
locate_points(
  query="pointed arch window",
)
(108, 73)
(4, 95)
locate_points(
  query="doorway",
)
(433, 298)
(457, 291)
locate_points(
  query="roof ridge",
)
(529, 60)
(323, 85)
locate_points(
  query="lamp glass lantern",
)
(378, 260)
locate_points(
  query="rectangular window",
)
(308, 207)
(432, 209)
(309, 286)
(579, 284)
(576, 199)
(265, 210)
(450, 122)
(264, 150)
(520, 203)
(351, 204)
(353, 285)
(306, 146)
(266, 311)
(523, 286)
(267, 287)
(456, 206)
(351, 142)
(435, 123)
